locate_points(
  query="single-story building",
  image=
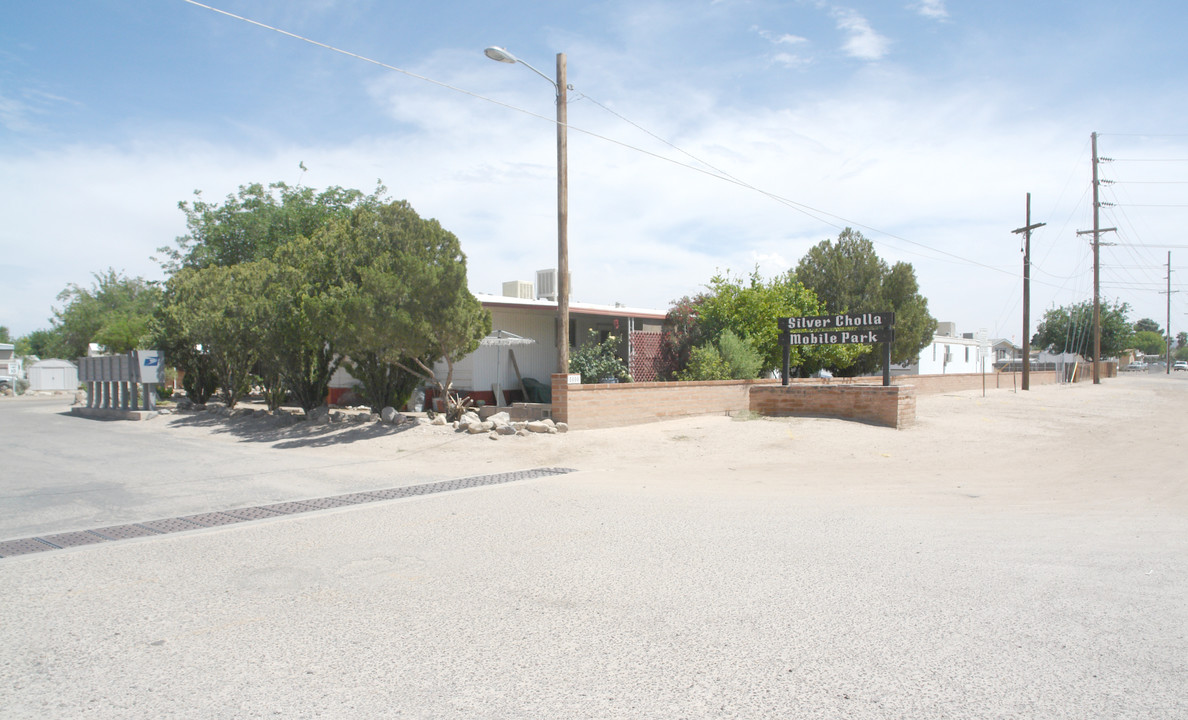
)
(524, 339)
(523, 344)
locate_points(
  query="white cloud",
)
(934, 9)
(864, 42)
(786, 59)
(790, 60)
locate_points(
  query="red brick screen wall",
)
(645, 356)
(613, 405)
(893, 406)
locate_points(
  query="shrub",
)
(740, 356)
(705, 363)
(733, 358)
(597, 360)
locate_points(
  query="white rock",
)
(539, 426)
(505, 429)
(499, 418)
(476, 428)
(391, 416)
(438, 420)
(562, 427)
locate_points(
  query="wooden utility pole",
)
(1169, 292)
(1096, 232)
(1026, 230)
(562, 219)
(1096, 272)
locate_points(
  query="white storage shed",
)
(53, 374)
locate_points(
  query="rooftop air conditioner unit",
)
(546, 284)
(520, 289)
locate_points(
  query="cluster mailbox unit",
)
(112, 379)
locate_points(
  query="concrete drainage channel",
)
(58, 541)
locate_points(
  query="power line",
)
(807, 210)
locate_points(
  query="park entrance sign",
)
(868, 328)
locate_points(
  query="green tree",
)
(115, 311)
(1147, 325)
(751, 308)
(273, 226)
(404, 300)
(1149, 342)
(680, 335)
(297, 348)
(40, 343)
(4, 336)
(219, 311)
(848, 276)
(1181, 339)
(252, 223)
(1070, 329)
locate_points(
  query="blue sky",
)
(922, 123)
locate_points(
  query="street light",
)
(501, 55)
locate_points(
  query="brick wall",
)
(893, 406)
(616, 404)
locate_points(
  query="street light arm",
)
(498, 54)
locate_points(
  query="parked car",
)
(1136, 366)
(1180, 365)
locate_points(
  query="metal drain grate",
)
(26, 546)
(73, 539)
(123, 532)
(214, 519)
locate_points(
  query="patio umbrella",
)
(500, 339)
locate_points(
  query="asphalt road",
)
(62, 472)
(946, 578)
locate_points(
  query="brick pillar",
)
(560, 392)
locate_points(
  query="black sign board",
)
(859, 328)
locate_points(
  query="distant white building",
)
(950, 353)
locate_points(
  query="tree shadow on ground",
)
(285, 434)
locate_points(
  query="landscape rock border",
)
(494, 426)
